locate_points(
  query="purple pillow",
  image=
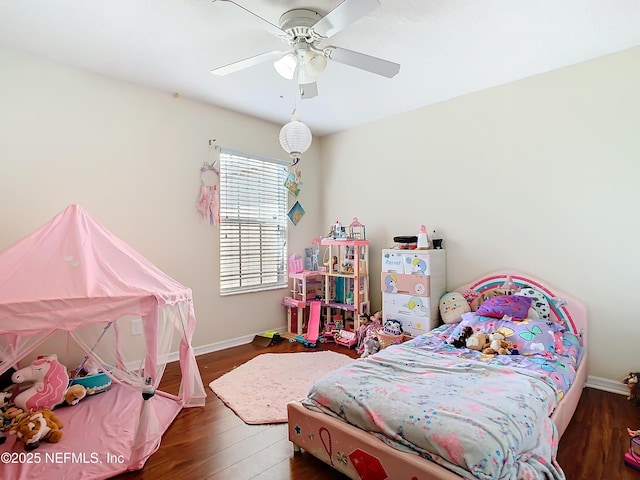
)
(530, 337)
(514, 306)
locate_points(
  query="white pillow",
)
(539, 301)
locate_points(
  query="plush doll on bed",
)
(477, 341)
(452, 305)
(461, 341)
(498, 344)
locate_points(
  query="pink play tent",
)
(127, 316)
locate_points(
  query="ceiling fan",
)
(304, 29)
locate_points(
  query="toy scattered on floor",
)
(371, 346)
(369, 326)
(632, 456)
(313, 329)
(392, 327)
(631, 381)
(346, 338)
(452, 306)
(38, 426)
(391, 333)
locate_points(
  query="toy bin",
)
(387, 339)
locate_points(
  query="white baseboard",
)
(217, 346)
(607, 385)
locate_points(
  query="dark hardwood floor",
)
(213, 443)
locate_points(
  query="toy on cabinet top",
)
(355, 231)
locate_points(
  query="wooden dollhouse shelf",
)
(342, 287)
(341, 306)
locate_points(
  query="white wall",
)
(538, 176)
(131, 157)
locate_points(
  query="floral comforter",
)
(480, 416)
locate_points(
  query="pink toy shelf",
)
(346, 338)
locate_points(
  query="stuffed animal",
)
(477, 341)
(452, 306)
(38, 426)
(371, 346)
(50, 382)
(74, 394)
(11, 416)
(498, 344)
(461, 341)
(393, 327)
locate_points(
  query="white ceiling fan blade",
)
(274, 29)
(343, 15)
(365, 62)
(247, 62)
(308, 90)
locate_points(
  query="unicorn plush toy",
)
(50, 380)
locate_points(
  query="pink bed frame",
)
(361, 456)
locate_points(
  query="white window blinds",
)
(253, 223)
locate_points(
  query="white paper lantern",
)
(295, 137)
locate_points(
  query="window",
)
(253, 223)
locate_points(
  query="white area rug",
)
(259, 390)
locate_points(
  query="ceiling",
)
(446, 48)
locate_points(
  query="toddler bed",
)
(428, 410)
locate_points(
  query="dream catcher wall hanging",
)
(209, 200)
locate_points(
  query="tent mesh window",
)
(253, 223)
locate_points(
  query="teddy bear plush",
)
(38, 426)
(477, 341)
(498, 344)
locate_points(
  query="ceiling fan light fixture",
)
(312, 64)
(286, 65)
(295, 137)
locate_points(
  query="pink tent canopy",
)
(72, 271)
(74, 276)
